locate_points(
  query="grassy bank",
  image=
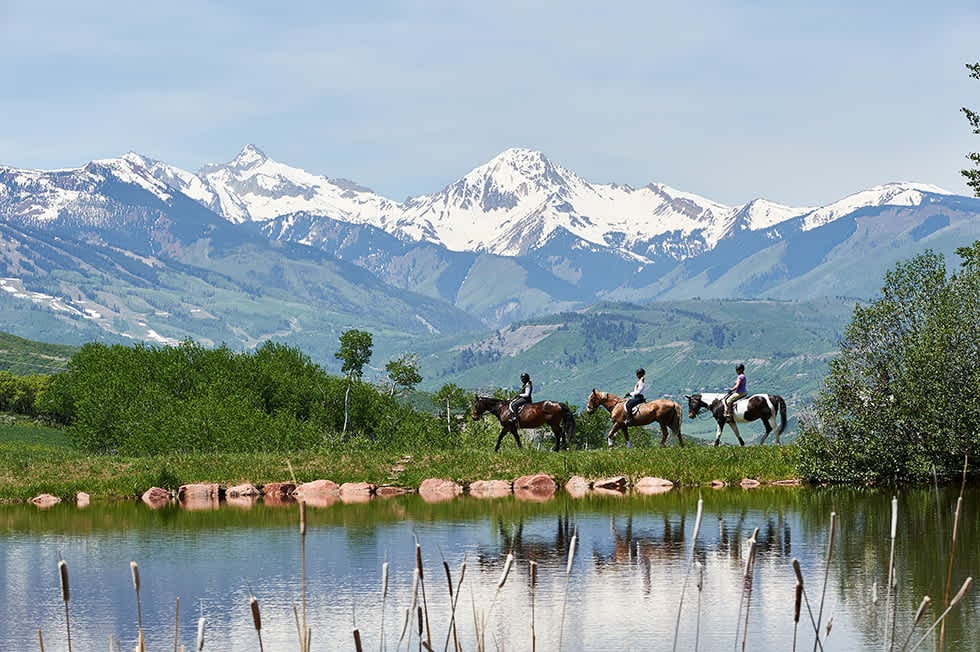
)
(36, 459)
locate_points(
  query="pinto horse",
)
(666, 413)
(533, 415)
(767, 407)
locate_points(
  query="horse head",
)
(479, 407)
(694, 405)
(594, 402)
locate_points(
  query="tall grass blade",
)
(806, 600)
(826, 577)
(694, 539)
(384, 600)
(176, 623)
(568, 573)
(200, 634)
(926, 600)
(892, 602)
(425, 604)
(533, 572)
(135, 571)
(455, 600)
(952, 551)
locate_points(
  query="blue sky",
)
(798, 102)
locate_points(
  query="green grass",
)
(36, 459)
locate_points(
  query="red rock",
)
(537, 487)
(437, 490)
(490, 489)
(82, 499)
(651, 486)
(156, 497)
(749, 483)
(356, 492)
(278, 489)
(242, 490)
(44, 501)
(577, 486)
(617, 483)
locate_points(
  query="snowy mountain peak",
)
(889, 194)
(250, 156)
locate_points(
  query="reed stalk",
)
(176, 625)
(40, 640)
(697, 626)
(806, 600)
(454, 599)
(892, 602)
(357, 640)
(690, 560)
(826, 578)
(952, 552)
(304, 642)
(533, 572)
(746, 597)
(200, 634)
(135, 571)
(425, 605)
(65, 595)
(796, 612)
(384, 600)
(956, 599)
(568, 577)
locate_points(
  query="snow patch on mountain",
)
(889, 194)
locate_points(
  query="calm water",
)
(623, 591)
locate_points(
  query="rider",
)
(636, 396)
(522, 399)
(737, 391)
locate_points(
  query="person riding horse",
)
(522, 399)
(738, 390)
(636, 397)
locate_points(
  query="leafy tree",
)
(973, 175)
(450, 396)
(404, 372)
(899, 401)
(355, 350)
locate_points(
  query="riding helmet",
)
(740, 367)
(641, 372)
(525, 377)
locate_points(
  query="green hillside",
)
(23, 357)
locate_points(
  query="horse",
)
(767, 407)
(532, 415)
(665, 412)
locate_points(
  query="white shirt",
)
(640, 387)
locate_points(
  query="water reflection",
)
(622, 591)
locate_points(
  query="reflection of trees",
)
(529, 548)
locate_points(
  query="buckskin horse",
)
(767, 407)
(533, 415)
(665, 412)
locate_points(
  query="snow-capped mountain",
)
(516, 237)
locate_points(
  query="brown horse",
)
(533, 415)
(665, 412)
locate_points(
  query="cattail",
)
(200, 634)
(135, 571)
(256, 616)
(503, 575)
(63, 571)
(63, 574)
(798, 601)
(357, 640)
(384, 580)
(302, 518)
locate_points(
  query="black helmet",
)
(740, 367)
(641, 372)
(525, 377)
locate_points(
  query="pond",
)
(633, 580)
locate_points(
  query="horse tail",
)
(781, 408)
(567, 423)
(678, 418)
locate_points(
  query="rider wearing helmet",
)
(636, 397)
(737, 391)
(522, 399)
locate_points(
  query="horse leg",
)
(517, 436)
(609, 435)
(663, 431)
(737, 433)
(721, 424)
(765, 422)
(626, 436)
(500, 438)
(559, 435)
